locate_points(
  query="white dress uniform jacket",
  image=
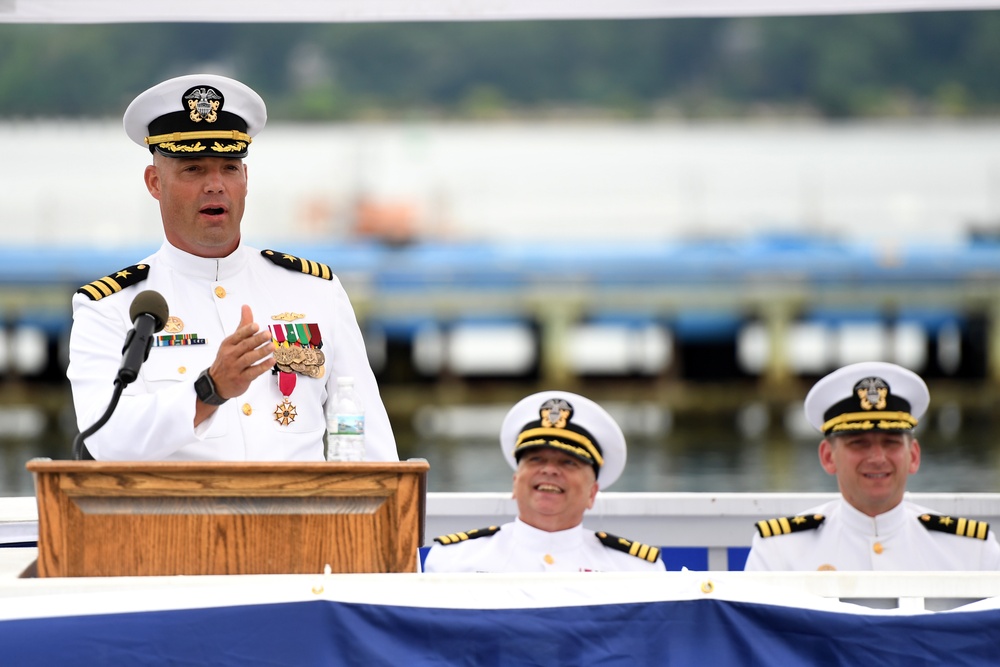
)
(155, 418)
(518, 547)
(851, 540)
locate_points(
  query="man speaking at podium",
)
(255, 340)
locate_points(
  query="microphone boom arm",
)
(80, 452)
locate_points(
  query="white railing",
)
(716, 522)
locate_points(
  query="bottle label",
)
(351, 424)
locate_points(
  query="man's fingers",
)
(246, 316)
(243, 357)
(258, 369)
(247, 326)
(261, 339)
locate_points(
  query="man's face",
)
(553, 489)
(201, 201)
(871, 468)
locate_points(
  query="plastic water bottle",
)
(345, 424)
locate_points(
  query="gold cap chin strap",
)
(557, 437)
(207, 134)
(864, 421)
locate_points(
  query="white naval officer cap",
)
(570, 423)
(867, 396)
(196, 115)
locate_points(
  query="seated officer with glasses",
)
(563, 447)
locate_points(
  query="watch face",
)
(206, 390)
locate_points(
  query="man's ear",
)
(593, 494)
(152, 178)
(826, 457)
(914, 456)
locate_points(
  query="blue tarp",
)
(696, 632)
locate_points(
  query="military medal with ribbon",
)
(296, 352)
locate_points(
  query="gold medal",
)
(285, 413)
(173, 325)
(306, 361)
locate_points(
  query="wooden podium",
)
(98, 519)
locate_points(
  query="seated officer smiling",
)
(866, 413)
(563, 447)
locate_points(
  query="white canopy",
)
(294, 11)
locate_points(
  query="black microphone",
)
(149, 313)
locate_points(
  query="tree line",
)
(921, 64)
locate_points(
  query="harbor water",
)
(747, 451)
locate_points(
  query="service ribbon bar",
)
(300, 334)
(178, 339)
(277, 334)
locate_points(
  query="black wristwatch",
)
(205, 389)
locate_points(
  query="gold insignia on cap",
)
(204, 104)
(872, 391)
(238, 147)
(556, 412)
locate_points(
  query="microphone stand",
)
(148, 314)
(80, 452)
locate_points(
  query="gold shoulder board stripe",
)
(116, 282)
(293, 263)
(637, 549)
(455, 538)
(956, 526)
(789, 524)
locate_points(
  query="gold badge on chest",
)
(174, 325)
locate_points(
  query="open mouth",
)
(548, 488)
(876, 475)
(213, 210)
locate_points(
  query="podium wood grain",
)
(98, 519)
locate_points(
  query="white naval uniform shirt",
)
(851, 540)
(518, 547)
(154, 419)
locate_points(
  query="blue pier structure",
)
(771, 307)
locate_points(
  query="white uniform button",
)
(247, 410)
(220, 292)
(878, 548)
